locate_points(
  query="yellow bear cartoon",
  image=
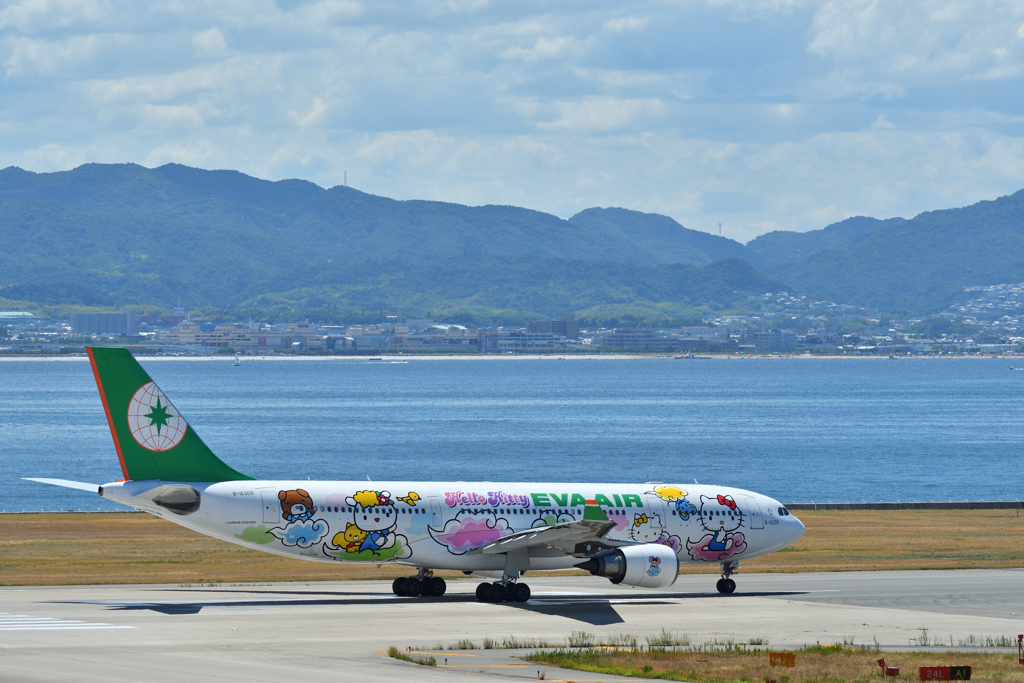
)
(350, 539)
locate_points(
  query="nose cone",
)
(793, 529)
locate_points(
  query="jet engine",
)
(650, 565)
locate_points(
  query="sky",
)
(758, 114)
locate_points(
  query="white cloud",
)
(624, 24)
(601, 114)
(314, 115)
(543, 48)
(920, 39)
(211, 40)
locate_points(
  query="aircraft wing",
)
(580, 539)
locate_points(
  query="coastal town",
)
(987, 322)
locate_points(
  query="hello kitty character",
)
(646, 528)
(374, 513)
(721, 518)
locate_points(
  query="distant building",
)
(569, 328)
(775, 341)
(516, 340)
(698, 332)
(121, 324)
(17, 318)
(295, 335)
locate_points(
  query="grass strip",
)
(62, 549)
(815, 664)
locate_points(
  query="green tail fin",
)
(153, 441)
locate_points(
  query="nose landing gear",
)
(424, 584)
(725, 584)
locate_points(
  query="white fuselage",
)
(445, 525)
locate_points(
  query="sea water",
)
(799, 430)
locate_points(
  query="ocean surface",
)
(799, 430)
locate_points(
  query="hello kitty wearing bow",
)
(721, 518)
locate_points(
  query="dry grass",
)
(40, 549)
(43, 549)
(857, 540)
(817, 664)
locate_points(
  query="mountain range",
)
(111, 235)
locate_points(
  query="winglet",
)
(593, 511)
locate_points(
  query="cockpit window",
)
(783, 512)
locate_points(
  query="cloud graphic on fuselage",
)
(469, 531)
(702, 550)
(302, 534)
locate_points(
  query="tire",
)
(435, 587)
(412, 587)
(398, 586)
(496, 593)
(726, 586)
(482, 591)
(520, 592)
(720, 585)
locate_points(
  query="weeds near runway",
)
(737, 663)
(395, 653)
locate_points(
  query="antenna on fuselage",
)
(695, 482)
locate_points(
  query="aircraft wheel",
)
(482, 592)
(434, 587)
(496, 593)
(398, 586)
(520, 592)
(412, 586)
(726, 586)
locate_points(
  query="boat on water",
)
(237, 362)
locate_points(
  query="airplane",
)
(637, 535)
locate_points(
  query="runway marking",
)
(130, 666)
(24, 622)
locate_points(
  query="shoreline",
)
(385, 359)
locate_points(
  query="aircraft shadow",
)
(593, 609)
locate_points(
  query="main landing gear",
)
(726, 585)
(424, 585)
(506, 590)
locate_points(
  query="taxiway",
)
(338, 631)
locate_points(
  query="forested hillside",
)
(110, 235)
(782, 246)
(922, 264)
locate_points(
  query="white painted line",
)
(25, 622)
(85, 627)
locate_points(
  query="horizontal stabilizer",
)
(81, 485)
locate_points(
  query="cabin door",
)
(271, 507)
(753, 512)
(435, 513)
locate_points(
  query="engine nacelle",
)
(650, 565)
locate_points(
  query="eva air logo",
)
(153, 421)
